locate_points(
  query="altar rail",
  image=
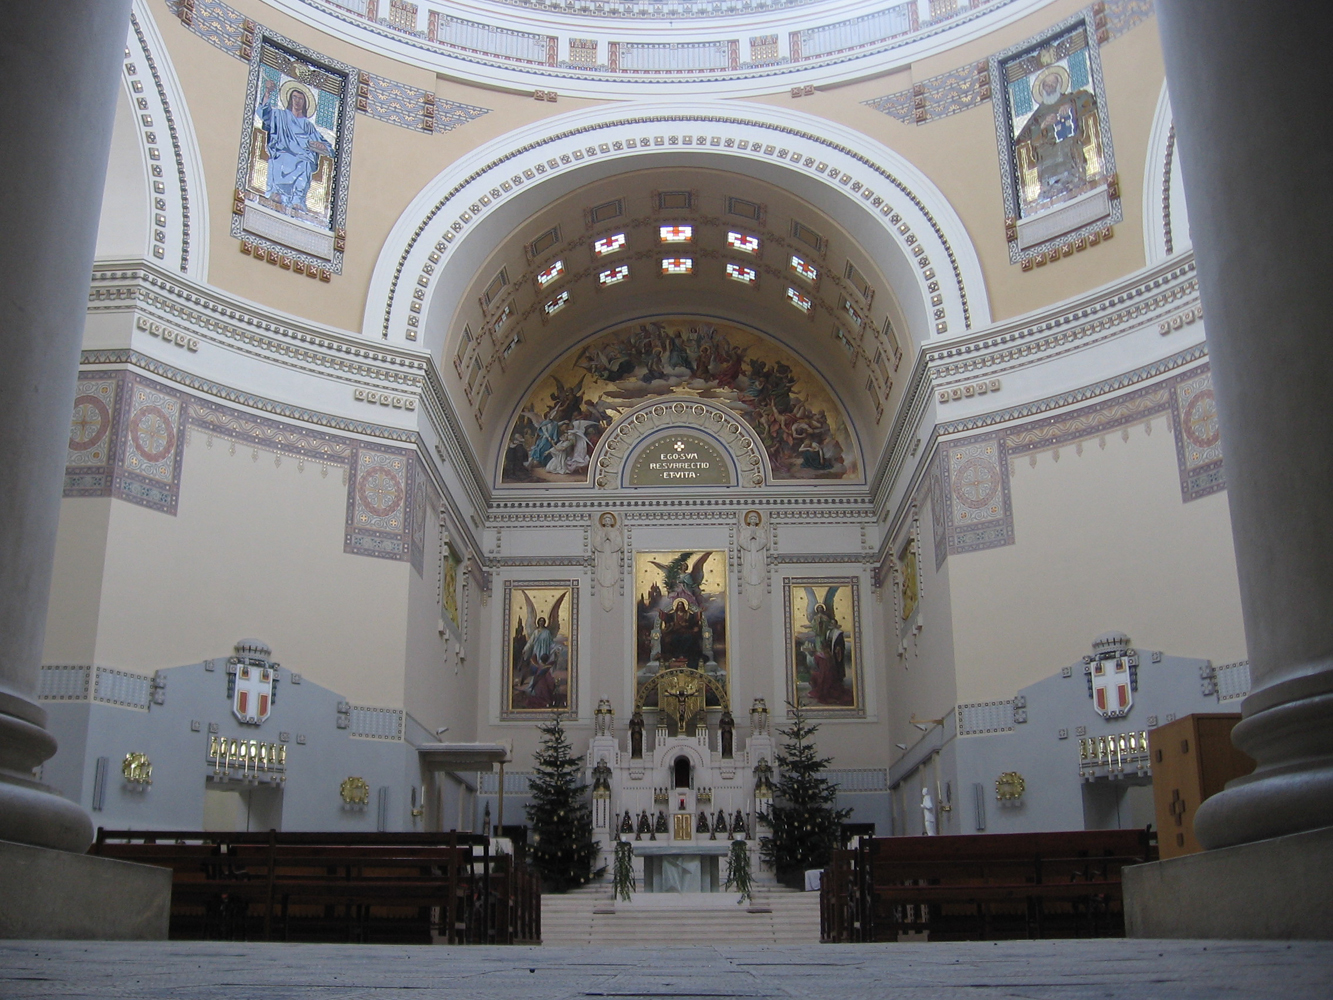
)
(981, 887)
(389, 888)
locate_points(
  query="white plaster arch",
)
(177, 220)
(1166, 224)
(611, 459)
(886, 204)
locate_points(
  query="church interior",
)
(666, 369)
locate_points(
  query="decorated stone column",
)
(1260, 189)
(61, 69)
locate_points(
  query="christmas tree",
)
(805, 827)
(563, 849)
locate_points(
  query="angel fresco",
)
(822, 645)
(540, 649)
(554, 436)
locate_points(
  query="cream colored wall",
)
(438, 690)
(922, 680)
(254, 550)
(390, 164)
(1103, 542)
(76, 581)
(960, 155)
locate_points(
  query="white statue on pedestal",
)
(928, 813)
(754, 551)
(607, 543)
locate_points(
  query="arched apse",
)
(886, 205)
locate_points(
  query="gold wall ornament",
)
(1009, 786)
(136, 767)
(355, 791)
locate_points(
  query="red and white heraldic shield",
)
(253, 699)
(1112, 692)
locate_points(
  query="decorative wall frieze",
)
(212, 318)
(598, 49)
(1002, 350)
(226, 28)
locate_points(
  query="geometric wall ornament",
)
(380, 488)
(1198, 437)
(127, 440)
(92, 452)
(148, 466)
(972, 494)
(966, 517)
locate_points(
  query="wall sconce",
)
(355, 792)
(137, 769)
(1009, 786)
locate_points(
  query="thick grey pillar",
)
(1258, 168)
(62, 63)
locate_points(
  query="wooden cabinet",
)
(1192, 760)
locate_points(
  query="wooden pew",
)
(981, 887)
(389, 888)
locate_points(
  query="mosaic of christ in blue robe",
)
(294, 148)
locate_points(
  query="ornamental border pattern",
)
(156, 484)
(146, 136)
(1199, 476)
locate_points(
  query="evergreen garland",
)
(622, 875)
(805, 827)
(738, 871)
(563, 849)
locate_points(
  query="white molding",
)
(182, 144)
(470, 205)
(479, 68)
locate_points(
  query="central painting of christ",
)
(680, 613)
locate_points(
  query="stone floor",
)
(1032, 970)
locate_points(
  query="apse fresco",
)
(680, 605)
(553, 438)
(823, 645)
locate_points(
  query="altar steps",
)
(589, 917)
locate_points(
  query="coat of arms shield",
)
(252, 697)
(1112, 686)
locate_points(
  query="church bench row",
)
(982, 886)
(388, 888)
